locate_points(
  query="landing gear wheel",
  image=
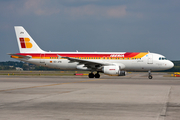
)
(97, 75)
(91, 75)
(150, 77)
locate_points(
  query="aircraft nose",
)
(170, 64)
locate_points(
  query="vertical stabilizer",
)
(25, 42)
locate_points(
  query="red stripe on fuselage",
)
(126, 55)
(130, 54)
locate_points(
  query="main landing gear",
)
(92, 75)
(150, 75)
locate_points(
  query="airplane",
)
(110, 63)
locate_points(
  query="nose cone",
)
(170, 64)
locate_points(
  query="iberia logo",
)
(25, 43)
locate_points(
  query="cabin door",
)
(150, 59)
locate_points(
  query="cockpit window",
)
(162, 58)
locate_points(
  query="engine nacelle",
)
(113, 70)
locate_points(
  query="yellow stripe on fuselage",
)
(140, 55)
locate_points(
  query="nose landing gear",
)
(150, 75)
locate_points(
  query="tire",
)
(150, 77)
(97, 75)
(91, 75)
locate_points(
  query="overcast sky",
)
(93, 25)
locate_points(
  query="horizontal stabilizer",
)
(19, 56)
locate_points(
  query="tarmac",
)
(131, 97)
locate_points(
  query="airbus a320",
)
(110, 63)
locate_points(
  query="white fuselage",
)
(151, 61)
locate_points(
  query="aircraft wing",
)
(89, 63)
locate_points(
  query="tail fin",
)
(25, 42)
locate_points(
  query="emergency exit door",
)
(42, 58)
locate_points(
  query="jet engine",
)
(113, 70)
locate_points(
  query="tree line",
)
(11, 65)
